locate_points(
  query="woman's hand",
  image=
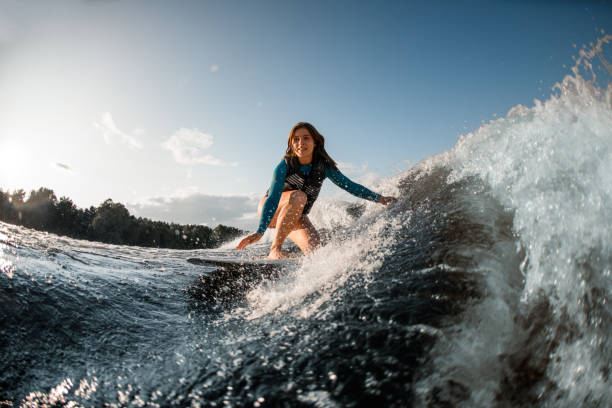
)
(251, 239)
(386, 200)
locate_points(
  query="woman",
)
(295, 186)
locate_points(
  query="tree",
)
(38, 211)
(42, 195)
(5, 205)
(66, 221)
(221, 233)
(18, 196)
(111, 222)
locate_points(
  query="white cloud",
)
(188, 145)
(214, 68)
(62, 166)
(199, 208)
(111, 132)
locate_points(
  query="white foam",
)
(359, 250)
(552, 165)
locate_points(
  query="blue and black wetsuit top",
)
(309, 179)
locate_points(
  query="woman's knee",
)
(298, 198)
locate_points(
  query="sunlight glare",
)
(13, 160)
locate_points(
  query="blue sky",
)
(181, 109)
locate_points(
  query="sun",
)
(13, 162)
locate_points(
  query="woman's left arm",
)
(355, 189)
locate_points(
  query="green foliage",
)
(110, 222)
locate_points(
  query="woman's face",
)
(302, 143)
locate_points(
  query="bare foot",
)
(277, 254)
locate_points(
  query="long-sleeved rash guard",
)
(278, 183)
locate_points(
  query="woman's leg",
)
(289, 217)
(291, 223)
(306, 237)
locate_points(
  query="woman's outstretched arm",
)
(355, 189)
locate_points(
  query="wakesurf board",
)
(232, 278)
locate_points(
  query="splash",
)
(586, 57)
(551, 165)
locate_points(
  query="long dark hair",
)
(319, 142)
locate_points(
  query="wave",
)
(547, 340)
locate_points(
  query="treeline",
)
(110, 222)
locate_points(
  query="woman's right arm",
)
(270, 205)
(274, 194)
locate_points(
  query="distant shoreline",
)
(109, 223)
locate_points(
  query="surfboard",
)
(244, 262)
(233, 277)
